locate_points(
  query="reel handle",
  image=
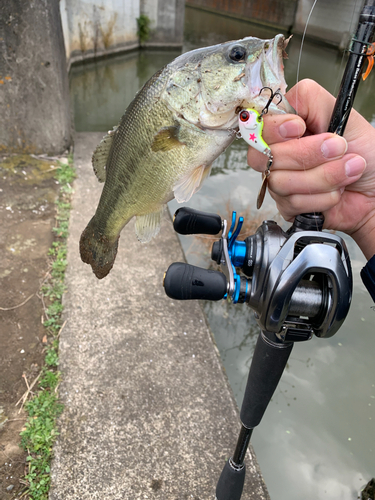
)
(189, 221)
(186, 282)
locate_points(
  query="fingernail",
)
(355, 166)
(334, 147)
(291, 128)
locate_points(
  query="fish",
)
(180, 121)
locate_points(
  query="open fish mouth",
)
(277, 55)
(270, 75)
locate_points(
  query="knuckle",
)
(333, 174)
(335, 197)
(306, 153)
(288, 206)
(306, 86)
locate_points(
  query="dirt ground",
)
(27, 215)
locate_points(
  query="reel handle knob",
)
(186, 282)
(189, 221)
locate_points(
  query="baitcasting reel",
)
(297, 282)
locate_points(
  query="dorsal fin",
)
(100, 156)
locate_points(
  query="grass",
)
(143, 32)
(40, 432)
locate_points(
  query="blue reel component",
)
(237, 252)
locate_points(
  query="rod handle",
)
(186, 282)
(267, 366)
(189, 221)
(231, 481)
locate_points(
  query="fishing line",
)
(338, 79)
(302, 42)
(298, 71)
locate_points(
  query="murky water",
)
(317, 438)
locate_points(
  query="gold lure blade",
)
(263, 189)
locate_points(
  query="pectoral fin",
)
(191, 183)
(167, 139)
(147, 226)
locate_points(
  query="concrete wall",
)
(167, 21)
(280, 13)
(34, 94)
(332, 22)
(93, 28)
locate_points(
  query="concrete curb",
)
(148, 411)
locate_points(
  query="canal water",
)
(317, 439)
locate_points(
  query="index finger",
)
(301, 154)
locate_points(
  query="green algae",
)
(27, 182)
(27, 169)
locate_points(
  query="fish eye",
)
(237, 53)
(244, 116)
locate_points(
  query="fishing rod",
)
(361, 44)
(298, 282)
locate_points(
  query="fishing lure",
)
(250, 124)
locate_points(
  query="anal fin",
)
(148, 226)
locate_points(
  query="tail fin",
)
(97, 250)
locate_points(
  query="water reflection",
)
(316, 438)
(101, 91)
(236, 332)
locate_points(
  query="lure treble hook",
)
(272, 97)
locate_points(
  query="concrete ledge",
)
(148, 411)
(78, 59)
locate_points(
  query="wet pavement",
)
(148, 410)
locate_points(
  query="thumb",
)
(313, 103)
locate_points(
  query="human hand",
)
(317, 171)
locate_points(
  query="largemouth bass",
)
(182, 119)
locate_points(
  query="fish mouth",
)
(270, 75)
(277, 56)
